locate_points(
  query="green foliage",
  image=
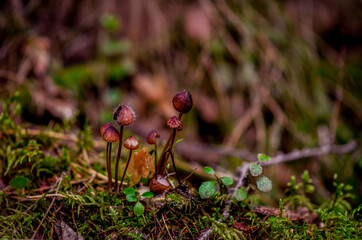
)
(263, 158)
(255, 169)
(297, 192)
(227, 181)
(148, 194)
(207, 189)
(110, 23)
(264, 184)
(19, 182)
(241, 194)
(209, 170)
(138, 209)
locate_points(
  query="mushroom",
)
(123, 115)
(110, 135)
(151, 139)
(131, 144)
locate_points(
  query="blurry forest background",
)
(266, 76)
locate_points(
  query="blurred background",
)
(266, 76)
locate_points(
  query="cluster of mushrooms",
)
(124, 115)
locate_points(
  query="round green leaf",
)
(19, 182)
(209, 170)
(138, 209)
(227, 181)
(131, 197)
(264, 184)
(129, 190)
(148, 194)
(207, 189)
(263, 158)
(255, 169)
(241, 194)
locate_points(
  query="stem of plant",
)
(174, 166)
(169, 144)
(124, 173)
(155, 156)
(118, 158)
(108, 167)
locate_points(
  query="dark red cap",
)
(182, 101)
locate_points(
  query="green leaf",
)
(148, 194)
(241, 194)
(255, 169)
(227, 181)
(209, 170)
(207, 189)
(263, 158)
(19, 182)
(179, 140)
(131, 197)
(264, 184)
(129, 190)
(138, 209)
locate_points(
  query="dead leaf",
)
(65, 232)
(141, 165)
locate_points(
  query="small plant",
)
(208, 189)
(297, 192)
(263, 183)
(132, 195)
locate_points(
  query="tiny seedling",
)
(132, 195)
(208, 189)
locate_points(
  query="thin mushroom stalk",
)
(131, 144)
(124, 115)
(182, 102)
(175, 124)
(152, 139)
(118, 159)
(110, 134)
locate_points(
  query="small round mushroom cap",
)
(124, 115)
(131, 143)
(182, 101)
(111, 134)
(173, 122)
(104, 128)
(151, 139)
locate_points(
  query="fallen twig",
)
(50, 206)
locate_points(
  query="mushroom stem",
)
(169, 145)
(124, 173)
(118, 158)
(174, 166)
(108, 160)
(110, 167)
(155, 156)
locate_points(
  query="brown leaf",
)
(141, 166)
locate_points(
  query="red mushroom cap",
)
(182, 101)
(173, 122)
(104, 127)
(131, 143)
(151, 139)
(111, 134)
(124, 115)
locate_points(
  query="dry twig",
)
(50, 206)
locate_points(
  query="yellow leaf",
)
(141, 166)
